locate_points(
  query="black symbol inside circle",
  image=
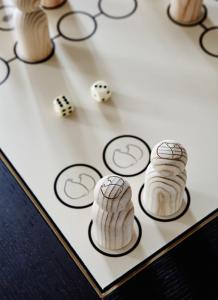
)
(77, 189)
(131, 159)
(127, 155)
(74, 185)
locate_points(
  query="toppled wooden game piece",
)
(100, 91)
(113, 213)
(186, 11)
(33, 41)
(63, 106)
(165, 179)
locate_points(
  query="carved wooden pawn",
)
(33, 41)
(52, 3)
(113, 213)
(165, 179)
(186, 11)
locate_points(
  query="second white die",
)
(100, 91)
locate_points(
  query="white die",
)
(100, 91)
(63, 106)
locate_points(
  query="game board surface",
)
(164, 82)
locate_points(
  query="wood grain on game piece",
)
(164, 85)
(52, 3)
(186, 11)
(165, 179)
(34, 43)
(30, 256)
(113, 213)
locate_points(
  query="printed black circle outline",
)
(7, 72)
(120, 254)
(37, 62)
(77, 39)
(135, 3)
(2, 28)
(202, 43)
(198, 22)
(124, 136)
(55, 7)
(61, 172)
(165, 220)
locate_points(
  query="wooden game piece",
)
(63, 106)
(100, 91)
(52, 3)
(186, 11)
(33, 41)
(165, 179)
(113, 213)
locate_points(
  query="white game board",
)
(164, 79)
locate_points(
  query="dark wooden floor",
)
(34, 265)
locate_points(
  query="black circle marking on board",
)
(77, 39)
(201, 41)
(198, 22)
(56, 180)
(55, 7)
(135, 5)
(165, 220)
(37, 62)
(7, 70)
(120, 254)
(125, 136)
(3, 7)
